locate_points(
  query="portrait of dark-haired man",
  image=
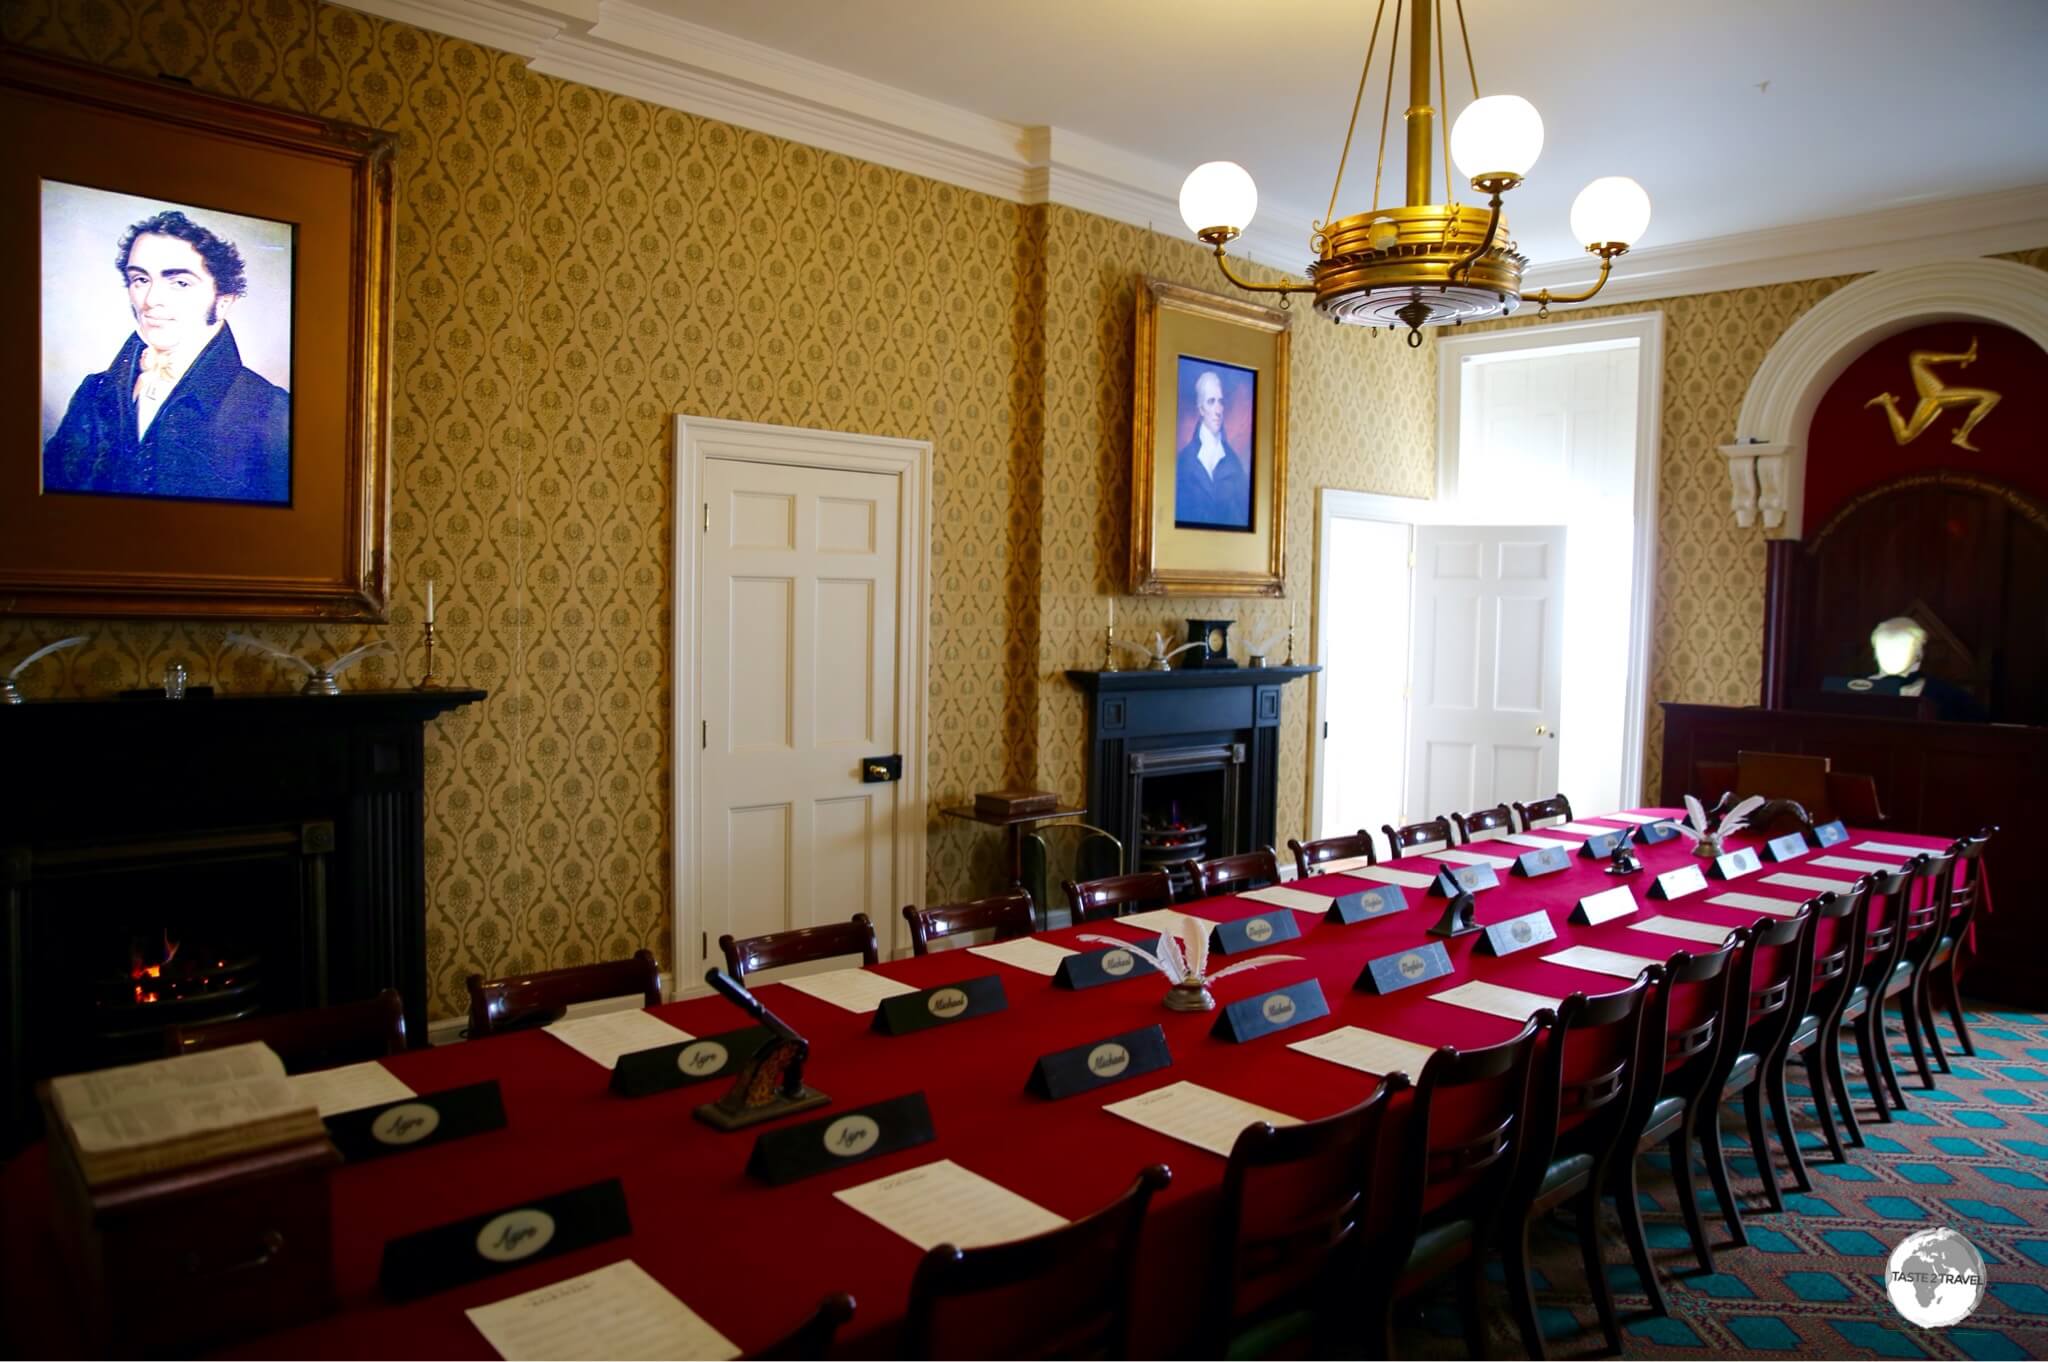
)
(177, 413)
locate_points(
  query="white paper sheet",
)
(1852, 863)
(856, 990)
(1816, 883)
(1025, 953)
(1379, 874)
(1512, 1003)
(943, 1203)
(1635, 817)
(608, 1035)
(1163, 921)
(1757, 902)
(1300, 900)
(1683, 929)
(1524, 839)
(617, 1311)
(1601, 962)
(1474, 858)
(1587, 829)
(1890, 849)
(1368, 1051)
(1201, 1116)
(350, 1088)
(1342, 866)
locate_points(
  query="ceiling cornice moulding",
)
(628, 49)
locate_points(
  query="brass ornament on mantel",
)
(1937, 397)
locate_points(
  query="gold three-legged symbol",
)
(1937, 397)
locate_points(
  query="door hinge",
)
(704, 735)
(1326, 728)
(707, 519)
(703, 945)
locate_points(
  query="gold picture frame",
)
(1208, 445)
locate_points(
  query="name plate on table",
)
(1105, 966)
(1530, 929)
(1547, 861)
(941, 1006)
(1649, 834)
(1601, 848)
(1366, 905)
(1736, 864)
(830, 1142)
(1392, 973)
(1619, 901)
(1248, 934)
(418, 1121)
(1672, 884)
(1098, 1063)
(1265, 1013)
(692, 1061)
(1454, 880)
(481, 1246)
(1830, 834)
(1789, 847)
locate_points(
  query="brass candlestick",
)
(1109, 648)
(427, 681)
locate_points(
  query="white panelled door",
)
(1488, 665)
(797, 606)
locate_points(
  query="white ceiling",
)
(1736, 115)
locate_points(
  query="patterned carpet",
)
(1973, 1155)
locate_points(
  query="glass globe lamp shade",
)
(1497, 135)
(1613, 208)
(1218, 194)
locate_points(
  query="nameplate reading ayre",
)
(1610, 904)
(1250, 933)
(1264, 1013)
(673, 1066)
(1789, 847)
(1366, 905)
(907, 1012)
(1392, 973)
(1110, 1060)
(1673, 884)
(417, 1122)
(1830, 834)
(1601, 848)
(834, 1141)
(480, 1246)
(1649, 834)
(1735, 864)
(1463, 879)
(1547, 861)
(1517, 933)
(1108, 966)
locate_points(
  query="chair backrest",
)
(1696, 1002)
(1581, 1087)
(1007, 915)
(1052, 855)
(312, 1038)
(1542, 813)
(1234, 874)
(1929, 906)
(1292, 1197)
(1773, 956)
(1413, 838)
(800, 945)
(1969, 888)
(1348, 847)
(521, 1001)
(1485, 824)
(813, 1338)
(1786, 775)
(1465, 1126)
(1885, 939)
(1834, 949)
(1116, 895)
(1064, 1293)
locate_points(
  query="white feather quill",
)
(1252, 963)
(251, 641)
(1737, 818)
(44, 651)
(1696, 815)
(355, 655)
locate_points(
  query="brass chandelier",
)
(1421, 263)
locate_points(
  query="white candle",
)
(430, 600)
(1112, 612)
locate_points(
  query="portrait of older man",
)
(177, 413)
(1213, 477)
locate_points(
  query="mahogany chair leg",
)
(1628, 1207)
(1596, 1262)
(1717, 1173)
(1955, 1012)
(1514, 1253)
(1759, 1144)
(1867, 1050)
(1909, 1018)
(1923, 1004)
(1679, 1147)
(1881, 1038)
(1781, 1116)
(1471, 1283)
(1838, 1087)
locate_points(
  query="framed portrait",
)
(198, 402)
(1208, 445)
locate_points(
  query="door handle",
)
(880, 770)
(1544, 731)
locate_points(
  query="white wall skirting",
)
(1767, 459)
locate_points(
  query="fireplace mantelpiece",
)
(1136, 717)
(80, 773)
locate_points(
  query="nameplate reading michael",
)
(1100, 1062)
(941, 1006)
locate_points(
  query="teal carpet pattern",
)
(1972, 1154)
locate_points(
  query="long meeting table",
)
(754, 1260)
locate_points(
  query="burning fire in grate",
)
(162, 969)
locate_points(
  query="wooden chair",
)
(1836, 943)
(523, 1001)
(813, 1338)
(1007, 915)
(1234, 874)
(1464, 1133)
(1786, 775)
(1543, 812)
(1927, 916)
(314, 1038)
(1412, 839)
(772, 950)
(1094, 900)
(1347, 847)
(1940, 972)
(1064, 1293)
(1776, 977)
(1292, 1207)
(1863, 1015)
(1486, 824)
(1585, 1074)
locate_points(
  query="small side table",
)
(1013, 826)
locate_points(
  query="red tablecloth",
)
(754, 1260)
